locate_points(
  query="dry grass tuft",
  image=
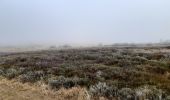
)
(13, 90)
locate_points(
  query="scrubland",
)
(127, 73)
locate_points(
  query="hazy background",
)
(83, 21)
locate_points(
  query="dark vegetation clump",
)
(121, 73)
(61, 81)
(31, 76)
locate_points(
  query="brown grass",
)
(13, 90)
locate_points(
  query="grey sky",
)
(83, 21)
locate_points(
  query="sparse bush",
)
(11, 73)
(102, 89)
(61, 81)
(126, 94)
(99, 74)
(22, 70)
(31, 76)
(167, 98)
(150, 93)
(2, 71)
(55, 84)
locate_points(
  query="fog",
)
(83, 21)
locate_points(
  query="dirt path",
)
(13, 90)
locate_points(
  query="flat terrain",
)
(110, 72)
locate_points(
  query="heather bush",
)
(31, 76)
(126, 94)
(2, 72)
(22, 70)
(150, 93)
(11, 73)
(102, 89)
(61, 81)
(56, 84)
(167, 98)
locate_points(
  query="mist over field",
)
(84, 49)
(87, 22)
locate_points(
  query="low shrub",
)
(126, 94)
(102, 89)
(61, 81)
(167, 98)
(2, 72)
(149, 93)
(31, 76)
(11, 73)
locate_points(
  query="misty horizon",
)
(87, 22)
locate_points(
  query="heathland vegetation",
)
(130, 73)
